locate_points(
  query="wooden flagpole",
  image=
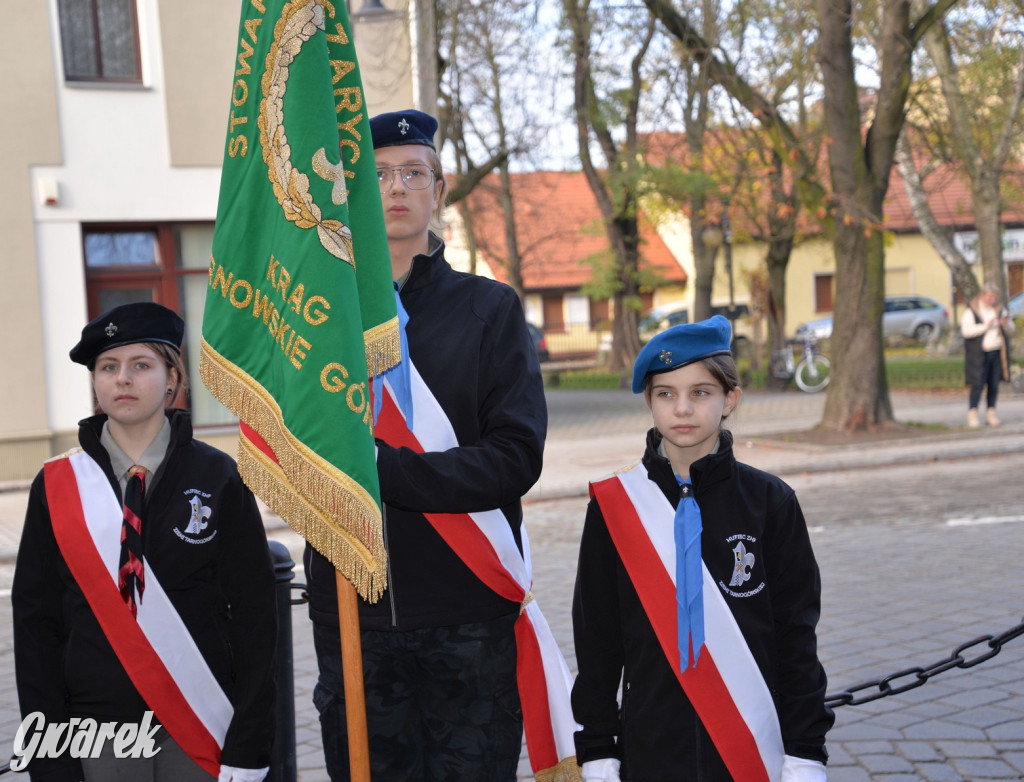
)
(352, 666)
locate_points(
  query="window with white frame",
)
(100, 40)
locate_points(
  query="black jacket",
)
(223, 590)
(468, 339)
(657, 735)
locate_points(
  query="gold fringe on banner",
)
(383, 347)
(567, 770)
(338, 517)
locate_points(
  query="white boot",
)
(990, 417)
(972, 418)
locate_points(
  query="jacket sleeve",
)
(246, 575)
(970, 325)
(505, 461)
(40, 635)
(597, 636)
(796, 605)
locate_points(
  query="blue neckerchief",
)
(398, 376)
(689, 576)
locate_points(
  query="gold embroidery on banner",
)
(300, 20)
(351, 537)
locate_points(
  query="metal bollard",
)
(283, 767)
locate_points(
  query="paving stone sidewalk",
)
(894, 591)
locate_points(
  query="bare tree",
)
(488, 50)
(976, 55)
(861, 156)
(616, 185)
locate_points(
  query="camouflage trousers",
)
(442, 703)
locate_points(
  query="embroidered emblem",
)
(197, 523)
(299, 22)
(742, 567)
(403, 126)
(743, 564)
(665, 357)
(198, 516)
(111, 329)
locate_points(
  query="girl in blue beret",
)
(143, 600)
(698, 591)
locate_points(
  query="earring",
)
(170, 391)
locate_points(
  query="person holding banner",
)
(440, 647)
(144, 601)
(697, 589)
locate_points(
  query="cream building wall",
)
(122, 154)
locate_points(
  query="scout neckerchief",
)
(154, 647)
(131, 574)
(725, 687)
(484, 541)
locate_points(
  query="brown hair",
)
(172, 358)
(722, 368)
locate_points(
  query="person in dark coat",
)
(439, 648)
(698, 591)
(144, 597)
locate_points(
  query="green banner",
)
(300, 307)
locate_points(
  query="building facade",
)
(114, 134)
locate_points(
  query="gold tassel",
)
(567, 770)
(328, 508)
(383, 347)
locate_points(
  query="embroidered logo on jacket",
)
(742, 567)
(197, 519)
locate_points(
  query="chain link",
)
(910, 678)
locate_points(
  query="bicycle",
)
(810, 373)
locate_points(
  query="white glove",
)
(603, 770)
(802, 770)
(232, 774)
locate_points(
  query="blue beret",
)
(403, 127)
(141, 321)
(681, 345)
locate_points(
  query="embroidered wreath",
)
(299, 22)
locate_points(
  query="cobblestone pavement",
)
(919, 543)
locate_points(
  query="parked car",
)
(913, 317)
(1015, 306)
(661, 318)
(539, 343)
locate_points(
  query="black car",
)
(539, 343)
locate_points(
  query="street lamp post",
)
(727, 244)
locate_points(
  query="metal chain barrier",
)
(893, 684)
(910, 678)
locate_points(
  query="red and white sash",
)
(484, 541)
(726, 688)
(156, 649)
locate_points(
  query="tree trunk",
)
(858, 394)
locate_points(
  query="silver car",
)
(913, 317)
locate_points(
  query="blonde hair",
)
(435, 166)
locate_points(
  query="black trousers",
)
(442, 704)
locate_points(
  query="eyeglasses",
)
(414, 177)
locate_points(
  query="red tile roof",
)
(947, 189)
(558, 226)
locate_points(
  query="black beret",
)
(680, 345)
(142, 321)
(403, 127)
